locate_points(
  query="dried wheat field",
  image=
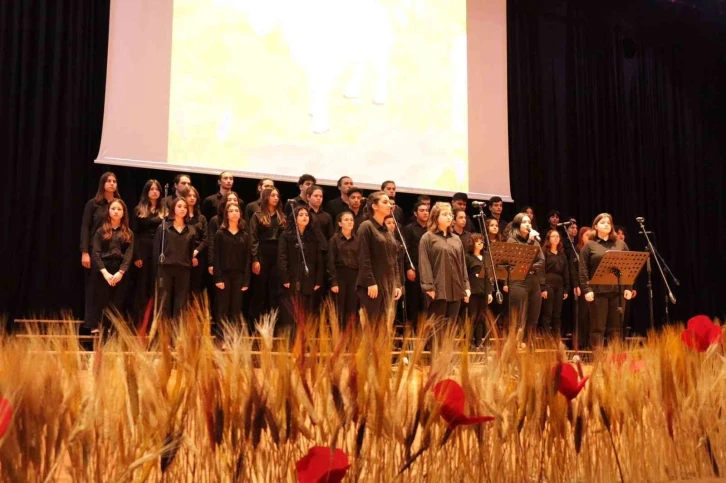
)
(174, 406)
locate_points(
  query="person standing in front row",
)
(442, 265)
(176, 243)
(481, 285)
(343, 268)
(232, 264)
(378, 283)
(604, 301)
(112, 251)
(557, 284)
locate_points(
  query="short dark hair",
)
(423, 198)
(262, 181)
(222, 174)
(418, 205)
(386, 183)
(460, 196)
(621, 228)
(179, 176)
(355, 189)
(473, 238)
(340, 180)
(494, 199)
(306, 177)
(553, 213)
(313, 188)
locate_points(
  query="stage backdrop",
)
(412, 90)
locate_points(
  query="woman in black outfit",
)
(557, 284)
(265, 228)
(603, 300)
(343, 268)
(527, 294)
(481, 284)
(214, 224)
(199, 255)
(113, 248)
(176, 243)
(299, 284)
(232, 263)
(147, 218)
(442, 265)
(378, 284)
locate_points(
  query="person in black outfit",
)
(176, 243)
(389, 187)
(355, 206)
(265, 228)
(343, 268)
(321, 218)
(458, 227)
(378, 283)
(604, 301)
(442, 265)
(94, 213)
(553, 218)
(298, 284)
(557, 284)
(338, 205)
(199, 255)
(232, 262)
(304, 182)
(254, 207)
(460, 201)
(426, 200)
(147, 218)
(390, 222)
(527, 294)
(113, 248)
(481, 285)
(530, 212)
(496, 208)
(210, 205)
(214, 224)
(581, 340)
(181, 182)
(412, 234)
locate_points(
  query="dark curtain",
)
(609, 110)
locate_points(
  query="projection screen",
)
(409, 90)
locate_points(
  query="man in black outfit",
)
(412, 234)
(355, 206)
(181, 183)
(254, 207)
(461, 201)
(389, 187)
(496, 207)
(338, 205)
(303, 183)
(211, 203)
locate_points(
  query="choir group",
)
(359, 251)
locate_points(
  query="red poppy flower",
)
(450, 395)
(566, 380)
(322, 464)
(6, 414)
(701, 333)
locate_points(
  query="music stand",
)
(619, 268)
(512, 262)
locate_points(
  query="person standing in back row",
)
(338, 205)
(210, 205)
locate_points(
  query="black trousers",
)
(605, 315)
(145, 285)
(173, 289)
(477, 314)
(444, 308)
(196, 277)
(583, 322)
(294, 307)
(267, 283)
(414, 300)
(379, 309)
(229, 299)
(346, 300)
(101, 295)
(526, 304)
(552, 310)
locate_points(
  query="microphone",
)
(673, 299)
(565, 223)
(536, 237)
(640, 219)
(478, 204)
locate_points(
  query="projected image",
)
(373, 88)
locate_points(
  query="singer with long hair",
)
(604, 301)
(265, 228)
(527, 294)
(343, 268)
(112, 251)
(442, 265)
(199, 255)
(492, 229)
(301, 267)
(557, 283)
(481, 285)
(147, 218)
(378, 283)
(582, 340)
(214, 224)
(176, 244)
(232, 263)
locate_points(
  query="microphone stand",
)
(669, 297)
(575, 298)
(410, 262)
(302, 252)
(162, 258)
(480, 220)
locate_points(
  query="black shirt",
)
(336, 207)
(199, 222)
(212, 228)
(210, 205)
(178, 247)
(144, 231)
(232, 254)
(590, 257)
(464, 237)
(93, 216)
(251, 209)
(479, 284)
(115, 248)
(290, 263)
(442, 266)
(263, 234)
(377, 258)
(323, 221)
(342, 252)
(537, 268)
(557, 270)
(293, 203)
(412, 234)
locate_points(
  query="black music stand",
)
(512, 262)
(619, 268)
